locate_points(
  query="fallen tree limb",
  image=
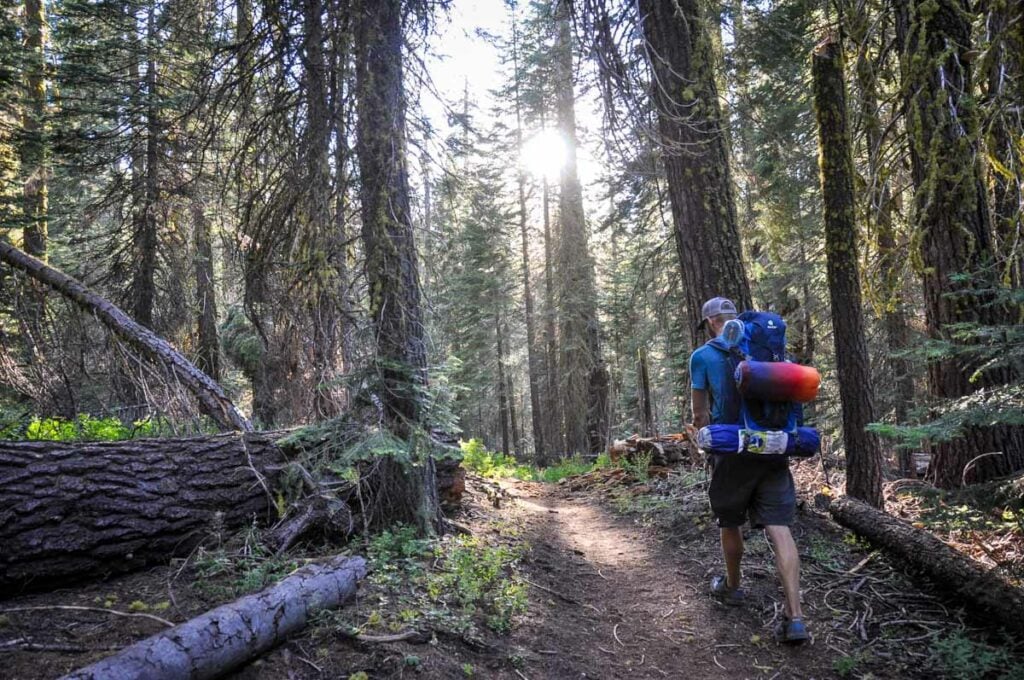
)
(70, 511)
(956, 574)
(210, 645)
(210, 394)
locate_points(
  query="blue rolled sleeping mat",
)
(803, 443)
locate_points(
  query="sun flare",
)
(544, 154)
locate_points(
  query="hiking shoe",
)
(734, 597)
(791, 632)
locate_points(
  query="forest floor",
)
(612, 571)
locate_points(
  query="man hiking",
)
(744, 485)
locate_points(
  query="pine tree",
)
(863, 456)
(953, 225)
(695, 152)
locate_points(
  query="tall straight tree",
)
(579, 351)
(533, 360)
(695, 152)
(953, 224)
(863, 455)
(392, 271)
(33, 147)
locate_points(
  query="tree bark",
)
(392, 270)
(953, 222)
(954, 573)
(210, 395)
(695, 152)
(208, 354)
(504, 399)
(33, 148)
(142, 290)
(579, 351)
(213, 644)
(71, 511)
(643, 393)
(321, 251)
(863, 455)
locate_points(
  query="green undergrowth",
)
(459, 584)
(241, 566)
(496, 465)
(958, 657)
(81, 428)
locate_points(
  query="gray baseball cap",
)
(714, 307)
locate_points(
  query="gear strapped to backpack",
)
(772, 391)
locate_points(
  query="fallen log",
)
(70, 511)
(214, 402)
(213, 644)
(663, 450)
(955, 574)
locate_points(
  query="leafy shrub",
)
(477, 576)
(567, 467)
(494, 464)
(82, 428)
(476, 457)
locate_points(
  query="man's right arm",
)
(699, 399)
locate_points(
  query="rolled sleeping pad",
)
(777, 381)
(803, 443)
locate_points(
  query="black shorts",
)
(745, 485)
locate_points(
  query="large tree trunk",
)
(863, 455)
(392, 270)
(695, 152)
(579, 352)
(210, 395)
(213, 644)
(953, 221)
(955, 574)
(70, 511)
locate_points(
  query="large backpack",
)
(772, 391)
(764, 340)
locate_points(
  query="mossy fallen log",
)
(223, 639)
(956, 575)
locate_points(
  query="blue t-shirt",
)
(711, 369)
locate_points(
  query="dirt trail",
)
(639, 606)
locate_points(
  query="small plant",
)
(467, 670)
(638, 469)
(477, 576)
(958, 657)
(846, 665)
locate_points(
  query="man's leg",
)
(732, 550)
(787, 561)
